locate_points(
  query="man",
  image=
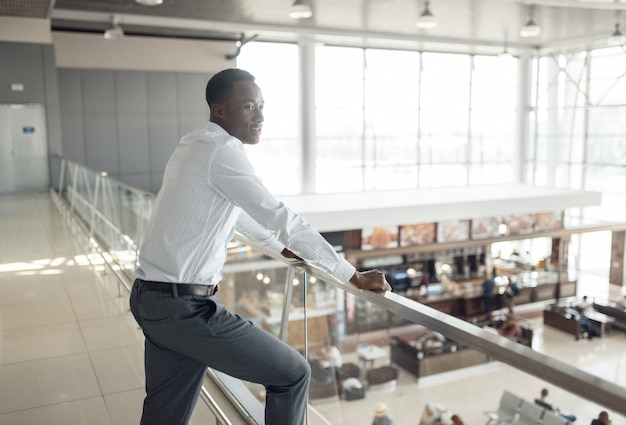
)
(488, 286)
(380, 415)
(210, 190)
(510, 293)
(543, 402)
(586, 308)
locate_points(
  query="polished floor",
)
(70, 352)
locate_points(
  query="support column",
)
(559, 258)
(306, 50)
(617, 273)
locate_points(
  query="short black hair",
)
(222, 83)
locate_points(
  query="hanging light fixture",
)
(115, 32)
(530, 28)
(300, 9)
(149, 2)
(617, 38)
(426, 20)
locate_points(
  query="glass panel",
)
(608, 85)
(339, 179)
(390, 178)
(339, 77)
(444, 124)
(443, 175)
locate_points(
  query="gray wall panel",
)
(53, 129)
(99, 91)
(128, 123)
(140, 181)
(21, 63)
(162, 92)
(72, 129)
(101, 142)
(71, 90)
(133, 143)
(131, 91)
(191, 121)
(191, 92)
(51, 77)
(156, 180)
(164, 136)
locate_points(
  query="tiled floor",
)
(70, 353)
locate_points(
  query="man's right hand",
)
(371, 280)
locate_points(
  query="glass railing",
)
(318, 315)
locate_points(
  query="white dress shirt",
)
(210, 190)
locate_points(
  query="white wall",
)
(25, 30)
(93, 51)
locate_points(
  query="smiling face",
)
(240, 112)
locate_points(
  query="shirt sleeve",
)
(233, 176)
(256, 233)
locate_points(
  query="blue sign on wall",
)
(28, 129)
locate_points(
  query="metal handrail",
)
(567, 377)
(521, 357)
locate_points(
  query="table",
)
(369, 353)
(600, 320)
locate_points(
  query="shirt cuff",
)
(275, 245)
(344, 271)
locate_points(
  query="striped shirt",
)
(210, 190)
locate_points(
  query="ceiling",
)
(389, 23)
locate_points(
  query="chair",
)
(531, 414)
(349, 370)
(510, 405)
(550, 418)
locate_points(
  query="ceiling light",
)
(505, 53)
(300, 9)
(426, 20)
(114, 33)
(530, 29)
(149, 2)
(617, 38)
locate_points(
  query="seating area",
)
(384, 375)
(516, 410)
(564, 319)
(428, 361)
(615, 311)
(325, 384)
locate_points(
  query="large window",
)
(339, 119)
(387, 119)
(413, 120)
(578, 141)
(579, 137)
(277, 157)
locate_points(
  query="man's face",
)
(241, 113)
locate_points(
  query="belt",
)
(179, 288)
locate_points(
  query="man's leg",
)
(236, 347)
(203, 330)
(173, 383)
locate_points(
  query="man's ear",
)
(217, 111)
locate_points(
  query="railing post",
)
(62, 177)
(288, 295)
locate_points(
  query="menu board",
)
(454, 230)
(519, 224)
(483, 228)
(418, 234)
(379, 238)
(548, 221)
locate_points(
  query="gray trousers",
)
(185, 334)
